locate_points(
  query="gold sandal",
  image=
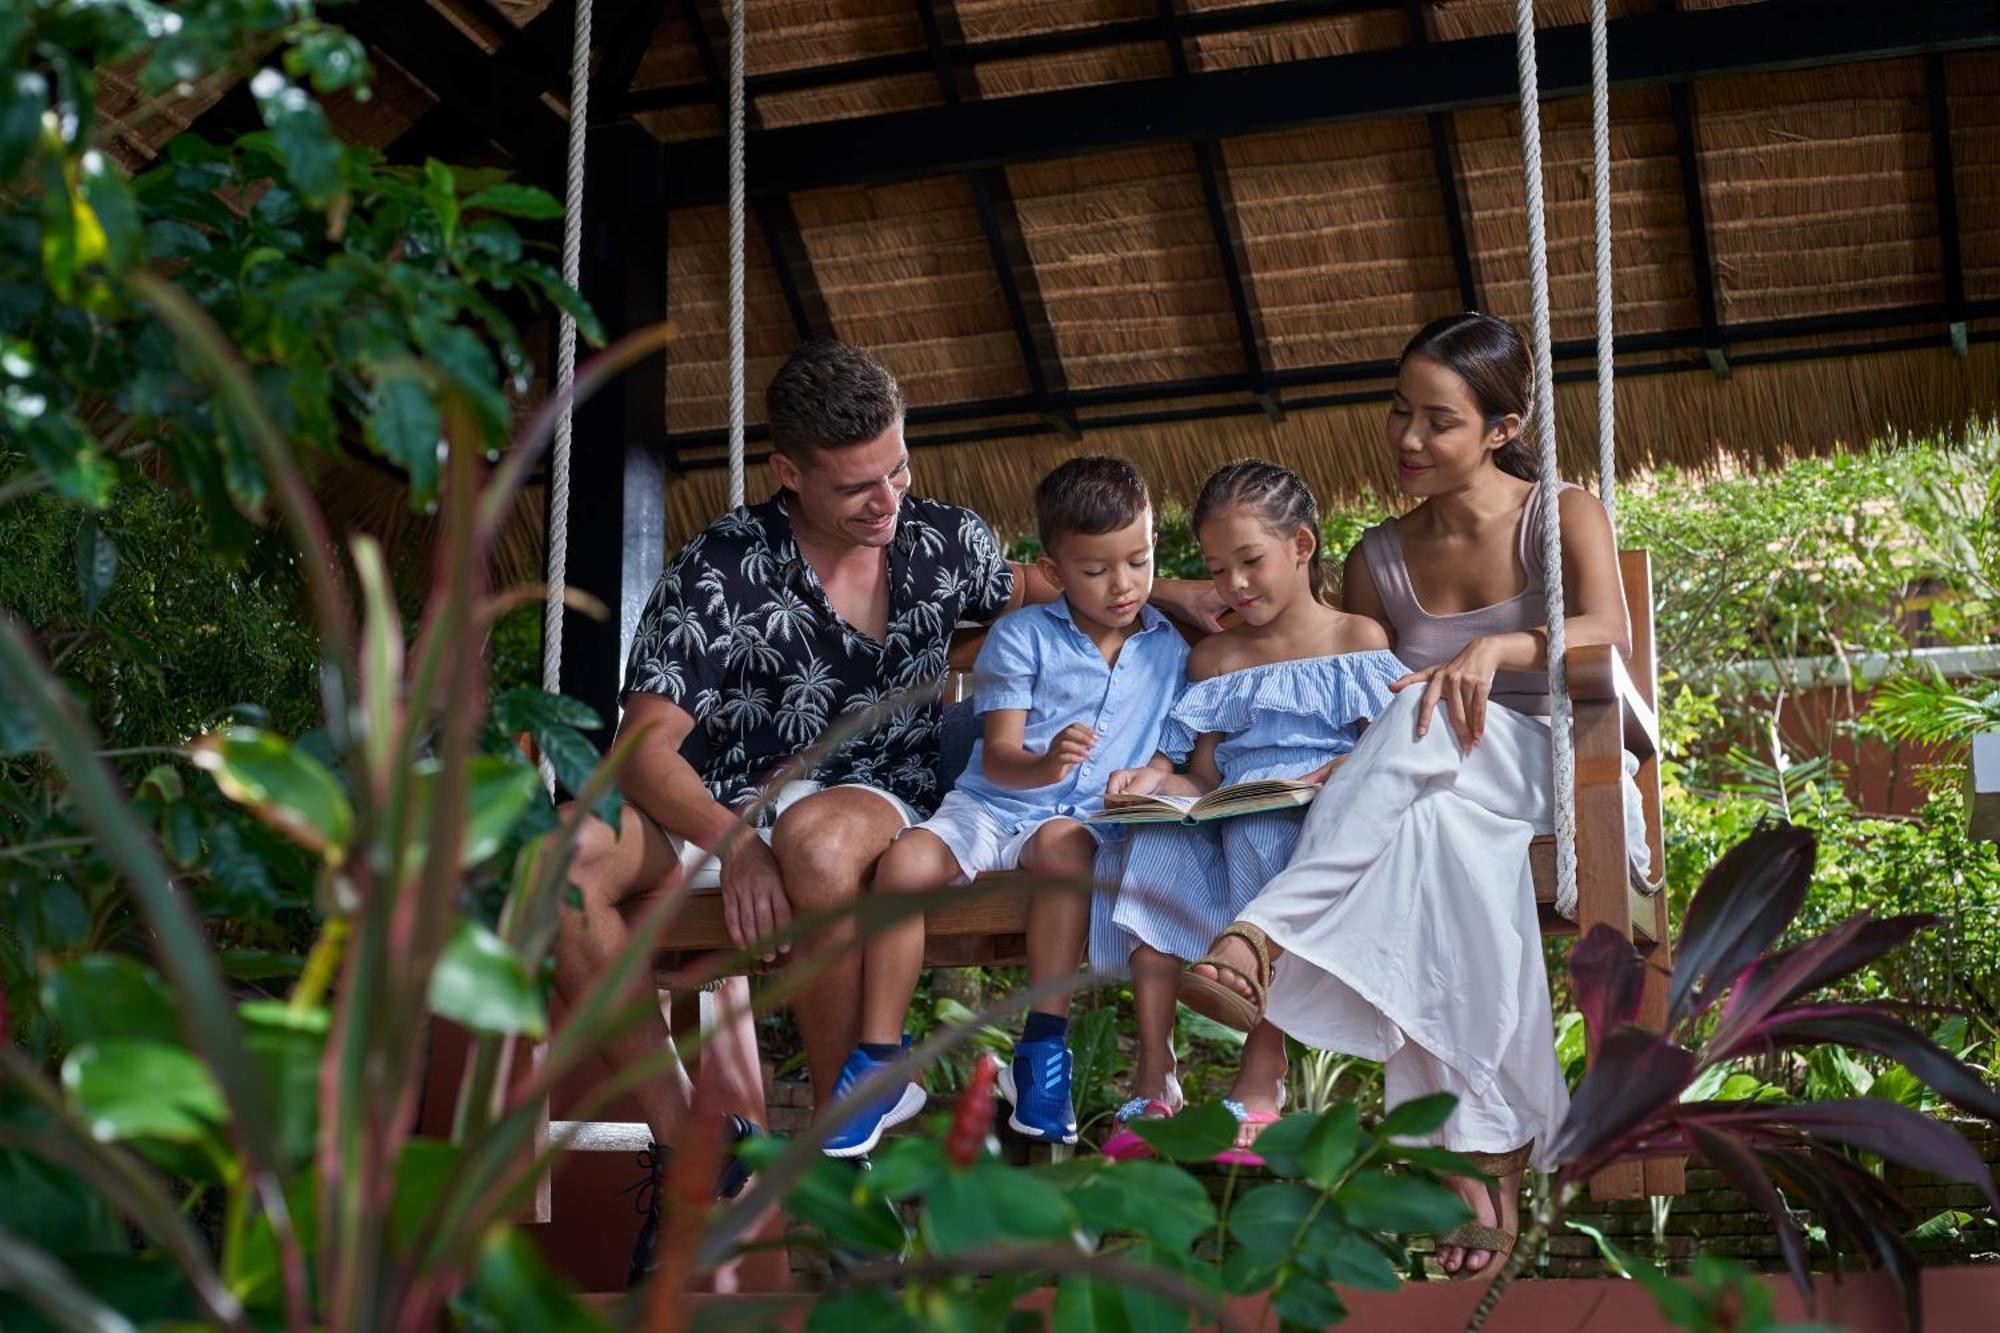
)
(1494, 1166)
(1214, 998)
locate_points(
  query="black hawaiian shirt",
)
(739, 633)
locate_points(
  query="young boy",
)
(1071, 691)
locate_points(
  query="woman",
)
(1406, 918)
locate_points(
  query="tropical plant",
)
(1734, 996)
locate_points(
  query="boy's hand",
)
(1134, 782)
(1071, 746)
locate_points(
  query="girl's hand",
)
(1324, 771)
(1463, 684)
(1135, 782)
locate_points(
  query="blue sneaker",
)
(862, 1124)
(1036, 1085)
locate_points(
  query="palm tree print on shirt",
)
(739, 632)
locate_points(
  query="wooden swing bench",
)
(1612, 702)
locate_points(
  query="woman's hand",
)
(1135, 782)
(1195, 601)
(1463, 684)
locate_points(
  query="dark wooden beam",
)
(1000, 223)
(790, 259)
(615, 468)
(1444, 165)
(1647, 49)
(1222, 221)
(1694, 201)
(1945, 176)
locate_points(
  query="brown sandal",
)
(1214, 998)
(1478, 1235)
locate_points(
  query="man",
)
(833, 596)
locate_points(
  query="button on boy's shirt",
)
(1039, 660)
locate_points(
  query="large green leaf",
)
(310, 153)
(103, 997)
(142, 1090)
(827, 1197)
(1418, 1116)
(1331, 1146)
(991, 1203)
(1162, 1203)
(404, 427)
(1270, 1217)
(110, 199)
(281, 784)
(520, 201)
(479, 982)
(1195, 1135)
(21, 120)
(288, 1044)
(500, 789)
(1305, 1302)
(1377, 1201)
(516, 1288)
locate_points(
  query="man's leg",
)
(827, 845)
(607, 870)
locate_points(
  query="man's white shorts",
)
(704, 872)
(979, 841)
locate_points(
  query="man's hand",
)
(1462, 684)
(1071, 746)
(1135, 782)
(754, 905)
(1195, 601)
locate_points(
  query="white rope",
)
(735, 253)
(572, 272)
(1600, 134)
(1543, 411)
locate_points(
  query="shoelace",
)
(646, 1189)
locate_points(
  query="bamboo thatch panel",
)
(1128, 266)
(1974, 81)
(395, 103)
(992, 20)
(1820, 192)
(846, 101)
(1650, 249)
(1453, 19)
(482, 23)
(793, 34)
(698, 306)
(671, 58)
(905, 272)
(1345, 243)
(1758, 418)
(1072, 69)
(1335, 35)
(131, 127)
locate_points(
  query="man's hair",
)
(1089, 496)
(830, 395)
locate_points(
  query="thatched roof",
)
(1183, 298)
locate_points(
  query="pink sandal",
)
(1234, 1156)
(1127, 1146)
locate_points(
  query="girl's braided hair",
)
(1278, 496)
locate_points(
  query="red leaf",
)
(1606, 980)
(1872, 1028)
(1867, 1123)
(1744, 903)
(1638, 1077)
(1874, 939)
(973, 1120)
(1734, 1159)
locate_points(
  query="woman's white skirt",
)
(1409, 924)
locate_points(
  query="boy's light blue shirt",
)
(1037, 658)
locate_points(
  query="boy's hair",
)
(1088, 496)
(830, 395)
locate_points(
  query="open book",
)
(1240, 798)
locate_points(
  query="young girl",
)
(1284, 693)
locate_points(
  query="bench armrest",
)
(1597, 675)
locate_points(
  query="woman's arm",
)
(1594, 612)
(1009, 763)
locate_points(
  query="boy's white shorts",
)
(979, 841)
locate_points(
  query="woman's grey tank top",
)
(1424, 640)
